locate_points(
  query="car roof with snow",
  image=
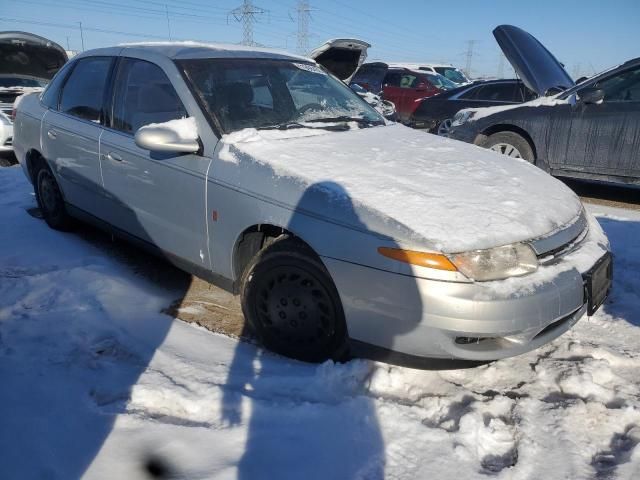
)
(192, 50)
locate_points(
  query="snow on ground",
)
(95, 381)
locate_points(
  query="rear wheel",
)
(292, 304)
(510, 144)
(50, 199)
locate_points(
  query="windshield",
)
(263, 93)
(441, 82)
(20, 82)
(452, 74)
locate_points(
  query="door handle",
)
(52, 134)
(114, 157)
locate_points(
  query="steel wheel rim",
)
(506, 149)
(295, 308)
(444, 127)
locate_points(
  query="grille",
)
(561, 241)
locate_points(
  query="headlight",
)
(462, 117)
(496, 263)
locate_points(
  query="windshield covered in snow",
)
(452, 74)
(265, 93)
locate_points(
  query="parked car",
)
(343, 57)
(28, 63)
(590, 130)
(448, 71)
(436, 113)
(400, 85)
(261, 173)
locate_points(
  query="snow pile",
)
(184, 128)
(96, 382)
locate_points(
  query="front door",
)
(71, 132)
(156, 197)
(604, 137)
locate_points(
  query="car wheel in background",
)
(510, 144)
(292, 304)
(443, 128)
(50, 199)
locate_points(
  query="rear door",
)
(605, 137)
(70, 134)
(156, 197)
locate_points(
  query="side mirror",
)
(164, 139)
(591, 95)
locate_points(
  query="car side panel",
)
(26, 128)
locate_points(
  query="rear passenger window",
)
(51, 94)
(83, 92)
(143, 95)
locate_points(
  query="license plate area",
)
(597, 282)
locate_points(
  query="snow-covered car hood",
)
(419, 189)
(482, 112)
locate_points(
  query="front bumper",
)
(463, 133)
(471, 321)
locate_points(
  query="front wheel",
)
(292, 304)
(510, 144)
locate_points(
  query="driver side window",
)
(621, 87)
(143, 95)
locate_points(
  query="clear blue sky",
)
(587, 35)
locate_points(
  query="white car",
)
(448, 71)
(28, 63)
(6, 134)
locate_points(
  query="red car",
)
(403, 86)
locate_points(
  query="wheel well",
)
(254, 239)
(33, 157)
(509, 128)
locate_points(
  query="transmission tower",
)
(246, 14)
(304, 13)
(470, 44)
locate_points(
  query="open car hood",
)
(341, 56)
(27, 55)
(534, 64)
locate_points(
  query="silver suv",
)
(264, 174)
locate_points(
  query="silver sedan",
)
(264, 174)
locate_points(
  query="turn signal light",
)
(422, 259)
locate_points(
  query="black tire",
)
(50, 199)
(497, 140)
(290, 301)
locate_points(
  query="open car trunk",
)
(341, 56)
(534, 64)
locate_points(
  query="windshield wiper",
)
(292, 125)
(346, 118)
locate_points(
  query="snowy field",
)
(95, 381)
